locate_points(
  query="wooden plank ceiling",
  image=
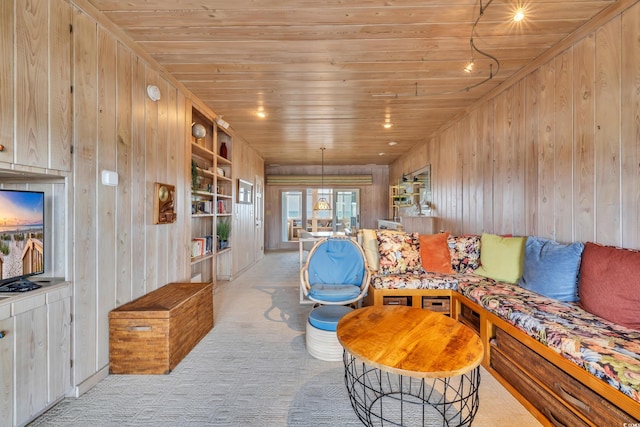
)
(330, 73)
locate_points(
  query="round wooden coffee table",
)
(409, 366)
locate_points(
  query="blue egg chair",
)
(335, 277)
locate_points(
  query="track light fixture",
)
(519, 15)
(469, 67)
(474, 50)
(475, 54)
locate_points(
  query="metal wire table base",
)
(380, 398)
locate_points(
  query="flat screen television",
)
(21, 235)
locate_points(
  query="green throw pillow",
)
(501, 258)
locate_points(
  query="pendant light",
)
(322, 204)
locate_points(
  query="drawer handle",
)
(572, 399)
(3, 334)
(554, 420)
(139, 328)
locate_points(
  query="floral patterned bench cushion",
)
(606, 350)
(414, 281)
(424, 280)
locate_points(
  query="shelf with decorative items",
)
(401, 196)
(225, 201)
(203, 197)
(223, 233)
(223, 143)
(212, 197)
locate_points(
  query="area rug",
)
(252, 369)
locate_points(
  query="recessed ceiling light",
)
(261, 114)
(380, 154)
(387, 125)
(392, 143)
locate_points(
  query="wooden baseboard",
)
(90, 382)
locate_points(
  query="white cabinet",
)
(6, 368)
(30, 339)
(35, 350)
(59, 341)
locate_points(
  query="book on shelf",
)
(196, 248)
(208, 244)
(202, 246)
(202, 207)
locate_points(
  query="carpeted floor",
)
(252, 369)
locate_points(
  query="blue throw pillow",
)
(551, 269)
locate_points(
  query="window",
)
(298, 214)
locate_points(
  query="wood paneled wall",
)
(556, 154)
(374, 199)
(35, 113)
(101, 237)
(35, 82)
(246, 165)
(119, 253)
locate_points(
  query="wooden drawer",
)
(555, 411)
(470, 318)
(153, 333)
(396, 301)
(438, 304)
(573, 393)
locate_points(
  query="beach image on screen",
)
(21, 233)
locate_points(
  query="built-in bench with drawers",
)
(559, 322)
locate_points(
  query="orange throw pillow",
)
(434, 252)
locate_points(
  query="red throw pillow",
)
(434, 252)
(610, 283)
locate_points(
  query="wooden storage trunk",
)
(153, 333)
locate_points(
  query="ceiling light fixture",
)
(387, 125)
(392, 143)
(322, 204)
(474, 49)
(469, 67)
(476, 53)
(519, 15)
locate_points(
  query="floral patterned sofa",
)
(570, 351)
